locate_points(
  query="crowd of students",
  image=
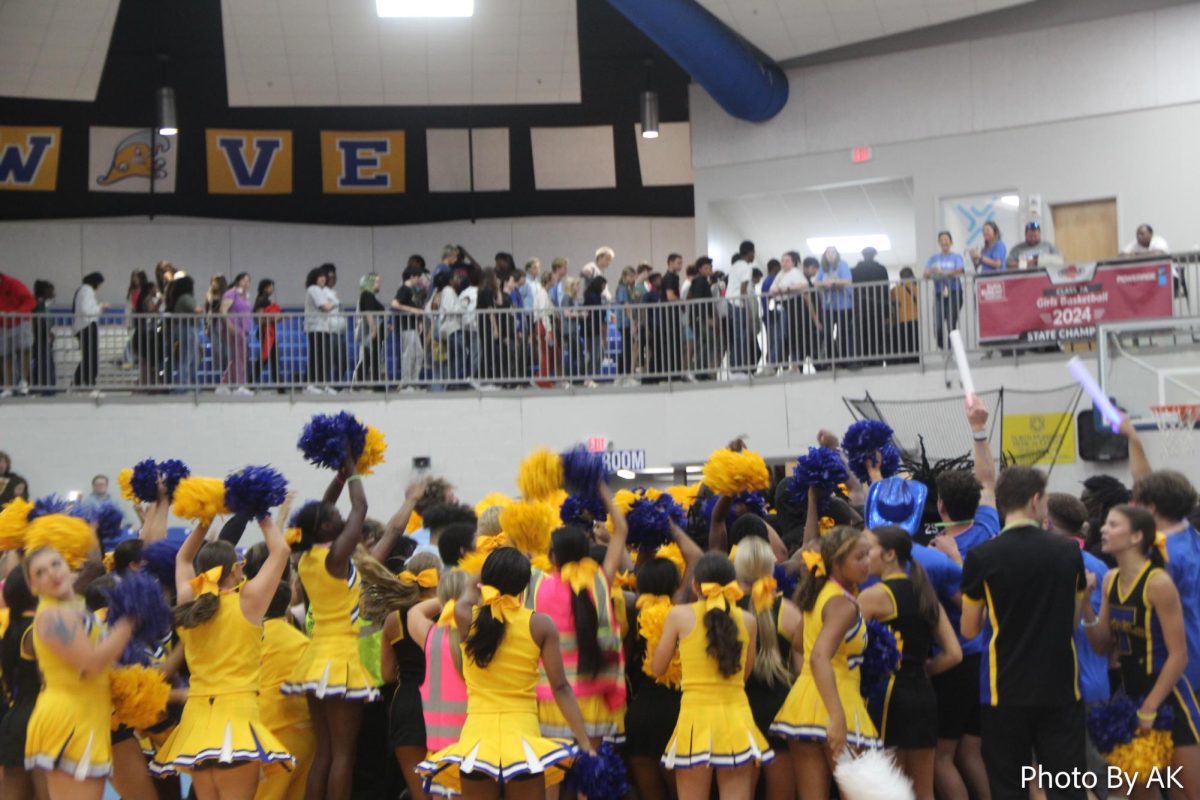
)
(490, 647)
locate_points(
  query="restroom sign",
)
(632, 460)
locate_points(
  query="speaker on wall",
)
(1098, 443)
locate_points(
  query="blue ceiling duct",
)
(743, 81)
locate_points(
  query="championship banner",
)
(29, 158)
(123, 159)
(1032, 439)
(362, 162)
(1068, 302)
(249, 162)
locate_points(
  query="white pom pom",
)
(871, 775)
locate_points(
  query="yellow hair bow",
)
(733, 552)
(814, 562)
(826, 524)
(762, 593)
(672, 553)
(292, 536)
(625, 580)
(207, 582)
(580, 574)
(426, 578)
(1160, 541)
(110, 561)
(447, 615)
(541, 562)
(715, 594)
(503, 606)
(486, 544)
(648, 600)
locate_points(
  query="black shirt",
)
(367, 301)
(700, 289)
(1028, 580)
(871, 272)
(406, 297)
(670, 286)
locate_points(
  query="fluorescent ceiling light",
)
(1011, 200)
(658, 471)
(695, 468)
(626, 474)
(425, 8)
(850, 244)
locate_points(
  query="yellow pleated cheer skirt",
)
(803, 716)
(331, 668)
(716, 733)
(69, 733)
(218, 731)
(600, 721)
(499, 746)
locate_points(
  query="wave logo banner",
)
(249, 162)
(362, 162)
(127, 159)
(29, 158)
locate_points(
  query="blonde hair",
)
(489, 523)
(451, 587)
(382, 592)
(558, 262)
(605, 251)
(754, 560)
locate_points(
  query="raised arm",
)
(185, 559)
(63, 631)
(421, 618)
(812, 522)
(718, 536)
(343, 546)
(985, 463)
(154, 521)
(1139, 465)
(399, 521)
(258, 592)
(616, 542)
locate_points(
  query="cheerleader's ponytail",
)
(204, 607)
(724, 641)
(507, 571)
(755, 566)
(569, 545)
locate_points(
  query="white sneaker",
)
(589, 384)
(242, 391)
(310, 389)
(96, 394)
(6, 393)
(23, 388)
(222, 389)
(330, 390)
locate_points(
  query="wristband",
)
(979, 436)
(1147, 716)
(354, 478)
(1091, 624)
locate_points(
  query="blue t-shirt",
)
(839, 299)
(985, 526)
(1093, 667)
(1183, 565)
(997, 251)
(944, 575)
(941, 263)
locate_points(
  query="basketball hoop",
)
(1177, 423)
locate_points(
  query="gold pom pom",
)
(415, 523)
(540, 475)
(139, 696)
(730, 473)
(491, 500)
(672, 553)
(373, 450)
(472, 562)
(14, 521)
(528, 526)
(556, 499)
(73, 538)
(125, 481)
(199, 498)
(652, 615)
(684, 495)
(1141, 754)
(541, 562)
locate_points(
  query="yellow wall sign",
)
(249, 162)
(1039, 438)
(29, 158)
(362, 162)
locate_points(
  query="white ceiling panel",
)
(54, 49)
(338, 52)
(785, 29)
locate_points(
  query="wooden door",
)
(1086, 231)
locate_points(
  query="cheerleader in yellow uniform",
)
(68, 734)
(331, 674)
(824, 710)
(285, 716)
(716, 730)
(501, 747)
(220, 738)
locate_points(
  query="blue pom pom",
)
(145, 481)
(140, 597)
(880, 659)
(110, 523)
(650, 522)
(599, 777)
(863, 439)
(1113, 723)
(44, 506)
(1165, 720)
(172, 471)
(254, 491)
(159, 558)
(785, 581)
(748, 502)
(822, 468)
(582, 470)
(326, 436)
(583, 510)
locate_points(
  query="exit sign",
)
(860, 155)
(597, 444)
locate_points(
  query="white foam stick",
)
(1079, 372)
(964, 369)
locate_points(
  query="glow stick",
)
(964, 369)
(1079, 372)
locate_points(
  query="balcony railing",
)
(867, 325)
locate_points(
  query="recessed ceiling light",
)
(626, 474)
(425, 8)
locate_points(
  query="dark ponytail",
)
(204, 608)
(568, 545)
(507, 570)
(835, 545)
(308, 520)
(897, 540)
(724, 641)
